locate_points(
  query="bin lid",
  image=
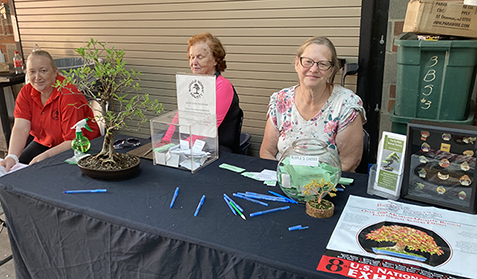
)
(410, 40)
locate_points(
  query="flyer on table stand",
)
(375, 238)
(389, 166)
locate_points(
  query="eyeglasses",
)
(125, 143)
(322, 65)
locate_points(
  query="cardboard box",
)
(441, 18)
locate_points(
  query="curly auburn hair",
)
(216, 47)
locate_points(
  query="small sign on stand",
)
(385, 178)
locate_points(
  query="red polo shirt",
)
(51, 124)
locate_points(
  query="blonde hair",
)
(44, 54)
(319, 40)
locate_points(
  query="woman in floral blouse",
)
(316, 108)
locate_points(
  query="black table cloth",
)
(130, 231)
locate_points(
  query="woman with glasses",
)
(45, 113)
(316, 108)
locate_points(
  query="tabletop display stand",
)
(184, 140)
(440, 165)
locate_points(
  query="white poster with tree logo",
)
(196, 93)
(196, 102)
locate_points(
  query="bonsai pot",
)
(128, 167)
(323, 209)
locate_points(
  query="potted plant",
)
(319, 207)
(104, 78)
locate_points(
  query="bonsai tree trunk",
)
(107, 152)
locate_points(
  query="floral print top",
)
(341, 108)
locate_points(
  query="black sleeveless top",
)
(231, 127)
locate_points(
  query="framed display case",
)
(440, 165)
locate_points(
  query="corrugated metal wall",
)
(260, 37)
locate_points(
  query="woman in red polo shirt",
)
(45, 113)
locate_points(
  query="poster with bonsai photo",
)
(390, 163)
(431, 242)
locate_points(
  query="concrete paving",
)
(7, 270)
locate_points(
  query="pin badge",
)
(462, 195)
(423, 159)
(441, 190)
(465, 180)
(444, 163)
(469, 153)
(424, 135)
(445, 147)
(422, 173)
(425, 147)
(442, 176)
(446, 137)
(469, 140)
(464, 166)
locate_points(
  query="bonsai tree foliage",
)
(104, 78)
(320, 188)
(405, 237)
(390, 159)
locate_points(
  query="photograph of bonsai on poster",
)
(420, 241)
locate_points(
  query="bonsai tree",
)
(319, 207)
(104, 78)
(405, 237)
(321, 189)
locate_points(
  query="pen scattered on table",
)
(269, 211)
(230, 206)
(233, 202)
(176, 192)
(297, 228)
(199, 205)
(264, 197)
(282, 196)
(85, 191)
(238, 211)
(241, 196)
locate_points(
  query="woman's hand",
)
(8, 163)
(350, 144)
(269, 148)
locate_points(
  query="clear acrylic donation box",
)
(184, 140)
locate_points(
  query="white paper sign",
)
(196, 93)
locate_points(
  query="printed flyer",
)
(390, 165)
(389, 239)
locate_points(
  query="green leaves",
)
(105, 78)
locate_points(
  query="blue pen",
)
(231, 208)
(249, 199)
(269, 211)
(278, 195)
(198, 206)
(85, 191)
(264, 197)
(232, 201)
(297, 228)
(174, 197)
